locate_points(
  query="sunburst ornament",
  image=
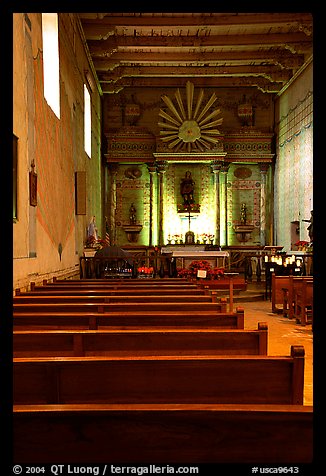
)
(188, 128)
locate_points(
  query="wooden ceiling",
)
(257, 50)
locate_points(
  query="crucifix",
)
(189, 236)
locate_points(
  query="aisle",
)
(282, 333)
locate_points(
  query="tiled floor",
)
(282, 333)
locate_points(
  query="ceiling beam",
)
(260, 83)
(211, 20)
(258, 40)
(273, 73)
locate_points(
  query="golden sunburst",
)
(188, 128)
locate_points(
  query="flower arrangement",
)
(92, 242)
(145, 271)
(191, 271)
(301, 243)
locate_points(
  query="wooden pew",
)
(107, 287)
(288, 289)
(160, 379)
(303, 302)
(163, 434)
(161, 281)
(65, 343)
(278, 283)
(66, 291)
(129, 320)
(123, 307)
(103, 298)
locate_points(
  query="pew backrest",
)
(160, 379)
(67, 343)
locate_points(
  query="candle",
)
(266, 258)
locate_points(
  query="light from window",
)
(51, 61)
(87, 122)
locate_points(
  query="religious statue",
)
(310, 227)
(243, 214)
(187, 189)
(132, 214)
(92, 229)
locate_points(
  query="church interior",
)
(166, 155)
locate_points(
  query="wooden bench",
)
(288, 289)
(103, 298)
(129, 320)
(160, 379)
(303, 302)
(163, 434)
(278, 283)
(65, 343)
(102, 287)
(66, 291)
(109, 307)
(160, 281)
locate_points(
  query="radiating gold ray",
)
(168, 118)
(209, 117)
(168, 126)
(166, 139)
(199, 101)
(188, 146)
(208, 105)
(213, 132)
(210, 139)
(190, 97)
(212, 124)
(172, 107)
(178, 145)
(167, 133)
(174, 143)
(202, 141)
(199, 146)
(180, 104)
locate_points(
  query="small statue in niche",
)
(187, 189)
(132, 214)
(243, 214)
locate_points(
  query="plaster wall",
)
(293, 190)
(48, 238)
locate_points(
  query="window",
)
(51, 61)
(87, 122)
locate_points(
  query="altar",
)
(187, 253)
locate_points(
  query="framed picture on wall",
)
(32, 187)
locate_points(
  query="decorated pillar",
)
(263, 172)
(223, 204)
(152, 174)
(216, 166)
(161, 169)
(113, 170)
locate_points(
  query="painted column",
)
(263, 172)
(113, 170)
(216, 166)
(161, 169)
(223, 204)
(152, 172)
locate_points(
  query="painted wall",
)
(49, 237)
(293, 191)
